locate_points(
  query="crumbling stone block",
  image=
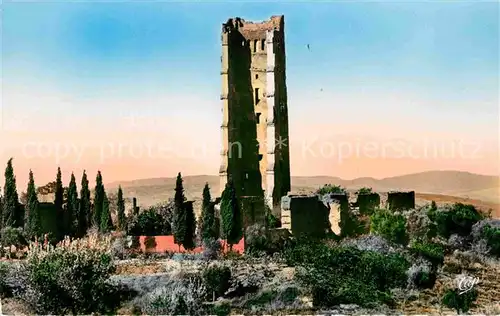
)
(367, 203)
(400, 201)
(308, 215)
(340, 198)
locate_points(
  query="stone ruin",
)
(317, 215)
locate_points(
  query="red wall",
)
(166, 243)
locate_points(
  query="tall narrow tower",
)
(255, 151)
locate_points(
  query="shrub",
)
(364, 190)
(217, 279)
(328, 188)
(5, 290)
(458, 219)
(68, 279)
(430, 251)
(343, 275)
(390, 226)
(148, 223)
(211, 249)
(178, 296)
(461, 302)
(492, 237)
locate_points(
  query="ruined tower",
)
(255, 151)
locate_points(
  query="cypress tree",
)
(105, 224)
(33, 225)
(190, 227)
(12, 213)
(179, 225)
(120, 207)
(231, 215)
(83, 217)
(207, 216)
(58, 204)
(98, 199)
(72, 210)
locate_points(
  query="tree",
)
(12, 213)
(98, 199)
(83, 217)
(72, 209)
(33, 224)
(207, 216)
(58, 203)
(120, 203)
(105, 224)
(190, 225)
(232, 225)
(179, 225)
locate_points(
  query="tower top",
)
(251, 30)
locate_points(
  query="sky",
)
(133, 88)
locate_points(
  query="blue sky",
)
(435, 63)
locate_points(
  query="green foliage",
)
(431, 251)
(221, 309)
(5, 291)
(190, 224)
(350, 225)
(328, 188)
(492, 236)
(344, 275)
(217, 279)
(58, 203)
(148, 223)
(122, 222)
(272, 221)
(12, 213)
(13, 236)
(365, 190)
(33, 224)
(105, 225)
(232, 222)
(69, 281)
(179, 224)
(208, 229)
(457, 220)
(390, 226)
(98, 199)
(72, 207)
(461, 302)
(84, 215)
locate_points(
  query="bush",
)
(178, 296)
(458, 219)
(328, 188)
(492, 237)
(364, 190)
(344, 275)
(390, 226)
(217, 279)
(430, 251)
(11, 236)
(5, 290)
(148, 223)
(211, 249)
(461, 302)
(68, 279)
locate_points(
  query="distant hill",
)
(463, 185)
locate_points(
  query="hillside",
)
(440, 185)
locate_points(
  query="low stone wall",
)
(399, 201)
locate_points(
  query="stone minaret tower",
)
(255, 151)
